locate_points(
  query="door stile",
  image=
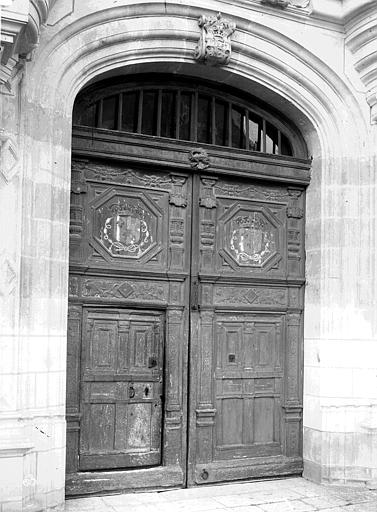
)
(194, 336)
(178, 331)
(202, 410)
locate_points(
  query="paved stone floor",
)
(288, 495)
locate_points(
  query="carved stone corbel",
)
(214, 46)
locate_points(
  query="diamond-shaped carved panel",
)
(126, 226)
(251, 237)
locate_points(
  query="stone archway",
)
(285, 73)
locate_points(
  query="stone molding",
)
(20, 29)
(294, 4)
(361, 40)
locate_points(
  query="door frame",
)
(173, 155)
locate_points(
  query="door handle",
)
(131, 392)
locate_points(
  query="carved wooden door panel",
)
(121, 390)
(150, 251)
(246, 348)
(128, 330)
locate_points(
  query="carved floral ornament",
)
(214, 46)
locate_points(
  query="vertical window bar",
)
(230, 124)
(246, 123)
(195, 115)
(264, 136)
(213, 120)
(193, 118)
(279, 142)
(100, 110)
(140, 111)
(120, 111)
(159, 109)
(178, 114)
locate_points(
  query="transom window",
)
(185, 111)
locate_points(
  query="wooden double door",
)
(185, 328)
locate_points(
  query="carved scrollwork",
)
(251, 191)
(73, 287)
(175, 316)
(208, 232)
(295, 212)
(122, 175)
(130, 290)
(208, 199)
(256, 296)
(177, 197)
(199, 159)
(214, 46)
(177, 230)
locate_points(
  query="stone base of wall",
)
(341, 457)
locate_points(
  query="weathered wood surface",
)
(142, 241)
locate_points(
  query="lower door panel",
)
(120, 405)
(122, 373)
(243, 425)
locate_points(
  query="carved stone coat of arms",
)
(214, 47)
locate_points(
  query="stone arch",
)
(114, 41)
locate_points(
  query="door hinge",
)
(195, 295)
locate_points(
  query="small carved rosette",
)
(214, 47)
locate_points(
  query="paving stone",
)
(287, 506)
(87, 505)
(362, 507)
(230, 501)
(326, 501)
(252, 508)
(119, 500)
(290, 495)
(146, 507)
(334, 509)
(190, 505)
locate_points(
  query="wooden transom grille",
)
(186, 112)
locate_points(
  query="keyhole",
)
(146, 391)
